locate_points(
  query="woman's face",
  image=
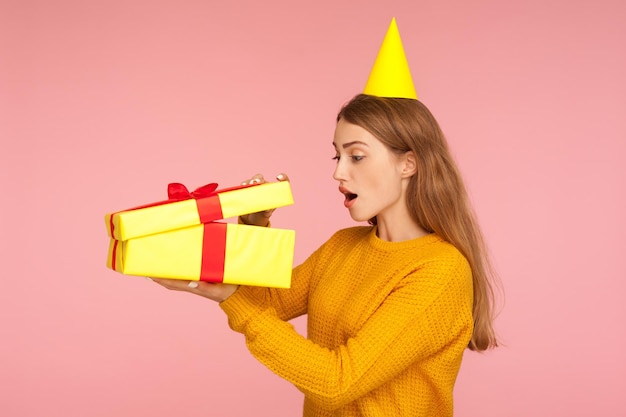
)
(370, 175)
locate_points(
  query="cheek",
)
(380, 187)
(390, 185)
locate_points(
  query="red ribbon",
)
(213, 252)
(114, 254)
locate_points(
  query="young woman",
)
(391, 306)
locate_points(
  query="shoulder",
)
(444, 250)
(443, 258)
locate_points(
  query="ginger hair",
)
(436, 196)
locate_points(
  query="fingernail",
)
(244, 183)
(280, 176)
(149, 279)
(255, 181)
(193, 284)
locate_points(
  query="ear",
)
(410, 165)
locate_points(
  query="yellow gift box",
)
(179, 239)
(213, 252)
(206, 204)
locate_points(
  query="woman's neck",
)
(398, 231)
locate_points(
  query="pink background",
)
(102, 103)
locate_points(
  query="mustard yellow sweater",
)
(388, 323)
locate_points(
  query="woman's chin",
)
(360, 218)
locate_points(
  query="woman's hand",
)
(213, 291)
(261, 218)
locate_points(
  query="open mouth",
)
(349, 195)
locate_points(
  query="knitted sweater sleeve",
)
(426, 311)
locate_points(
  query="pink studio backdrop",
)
(102, 103)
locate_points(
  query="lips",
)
(350, 196)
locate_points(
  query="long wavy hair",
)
(436, 196)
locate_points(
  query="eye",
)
(354, 158)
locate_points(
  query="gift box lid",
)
(205, 204)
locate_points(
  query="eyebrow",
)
(347, 145)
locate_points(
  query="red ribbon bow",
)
(209, 207)
(177, 191)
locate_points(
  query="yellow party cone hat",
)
(391, 75)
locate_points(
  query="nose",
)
(339, 174)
